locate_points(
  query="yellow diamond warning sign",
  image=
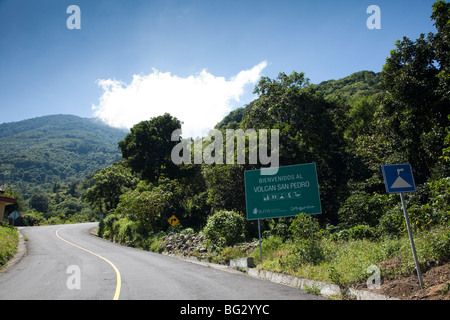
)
(173, 221)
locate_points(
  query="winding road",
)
(67, 262)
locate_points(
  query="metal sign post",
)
(413, 247)
(260, 240)
(398, 178)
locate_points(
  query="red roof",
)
(7, 200)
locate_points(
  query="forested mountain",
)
(37, 153)
(361, 86)
(357, 85)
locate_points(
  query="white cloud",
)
(200, 101)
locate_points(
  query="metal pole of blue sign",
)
(398, 178)
(416, 261)
(259, 232)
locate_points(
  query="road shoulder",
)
(22, 251)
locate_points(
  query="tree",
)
(153, 207)
(300, 113)
(39, 202)
(441, 43)
(226, 188)
(414, 113)
(441, 16)
(147, 149)
(307, 130)
(110, 183)
(409, 124)
(446, 149)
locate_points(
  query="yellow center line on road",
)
(118, 277)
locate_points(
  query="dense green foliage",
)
(354, 87)
(148, 147)
(110, 183)
(225, 228)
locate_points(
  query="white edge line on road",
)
(118, 276)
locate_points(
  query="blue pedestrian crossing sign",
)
(398, 178)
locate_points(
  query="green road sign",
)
(292, 190)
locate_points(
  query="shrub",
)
(59, 219)
(33, 217)
(362, 208)
(358, 232)
(187, 231)
(421, 217)
(105, 226)
(392, 223)
(434, 245)
(304, 227)
(225, 228)
(271, 244)
(307, 252)
(152, 208)
(440, 200)
(124, 231)
(427, 208)
(154, 244)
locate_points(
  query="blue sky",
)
(196, 59)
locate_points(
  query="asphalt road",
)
(66, 262)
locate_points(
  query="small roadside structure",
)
(4, 201)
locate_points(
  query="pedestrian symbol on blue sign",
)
(398, 178)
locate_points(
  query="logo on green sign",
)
(292, 190)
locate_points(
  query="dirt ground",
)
(436, 281)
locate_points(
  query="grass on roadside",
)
(346, 262)
(9, 239)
